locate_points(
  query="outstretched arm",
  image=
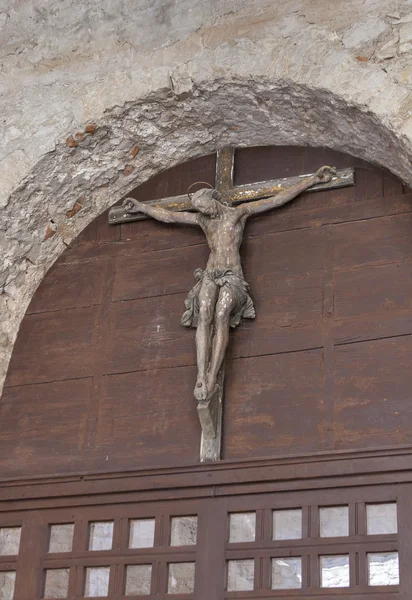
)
(160, 214)
(323, 175)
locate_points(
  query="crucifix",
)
(220, 297)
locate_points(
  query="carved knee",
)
(223, 308)
(222, 315)
(205, 314)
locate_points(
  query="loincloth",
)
(222, 278)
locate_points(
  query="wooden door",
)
(102, 374)
(100, 438)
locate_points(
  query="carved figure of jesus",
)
(220, 298)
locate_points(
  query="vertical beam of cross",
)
(225, 166)
(211, 411)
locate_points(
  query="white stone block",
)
(364, 33)
(405, 33)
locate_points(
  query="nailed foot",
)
(200, 391)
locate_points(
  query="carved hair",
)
(215, 194)
(219, 198)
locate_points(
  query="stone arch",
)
(86, 174)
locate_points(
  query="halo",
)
(197, 183)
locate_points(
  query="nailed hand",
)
(325, 174)
(131, 205)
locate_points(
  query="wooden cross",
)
(210, 411)
(232, 194)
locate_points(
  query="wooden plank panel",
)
(146, 334)
(372, 404)
(326, 207)
(392, 185)
(284, 254)
(98, 231)
(376, 289)
(375, 241)
(309, 210)
(368, 181)
(69, 286)
(269, 162)
(333, 206)
(165, 237)
(148, 419)
(53, 346)
(158, 273)
(314, 158)
(274, 405)
(152, 236)
(43, 428)
(288, 310)
(372, 326)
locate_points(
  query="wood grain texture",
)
(69, 286)
(147, 335)
(384, 289)
(43, 427)
(372, 393)
(158, 273)
(269, 395)
(54, 346)
(330, 276)
(146, 420)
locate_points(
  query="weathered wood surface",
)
(236, 196)
(211, 551)
(210, 413)
(102, 373)
(43, 427)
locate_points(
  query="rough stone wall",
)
(95, 97)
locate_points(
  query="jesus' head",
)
(207, 201)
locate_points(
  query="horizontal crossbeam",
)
(236, 195)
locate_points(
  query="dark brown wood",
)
(405, 549)
(319, 471)
(30, 442)
(254, 423)
(152, 324)
(69, 286)
(97, 417)
(143, 276)
(137, 419)
(366, 410)
(212, 549)
(60, 347)
(328, 273)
